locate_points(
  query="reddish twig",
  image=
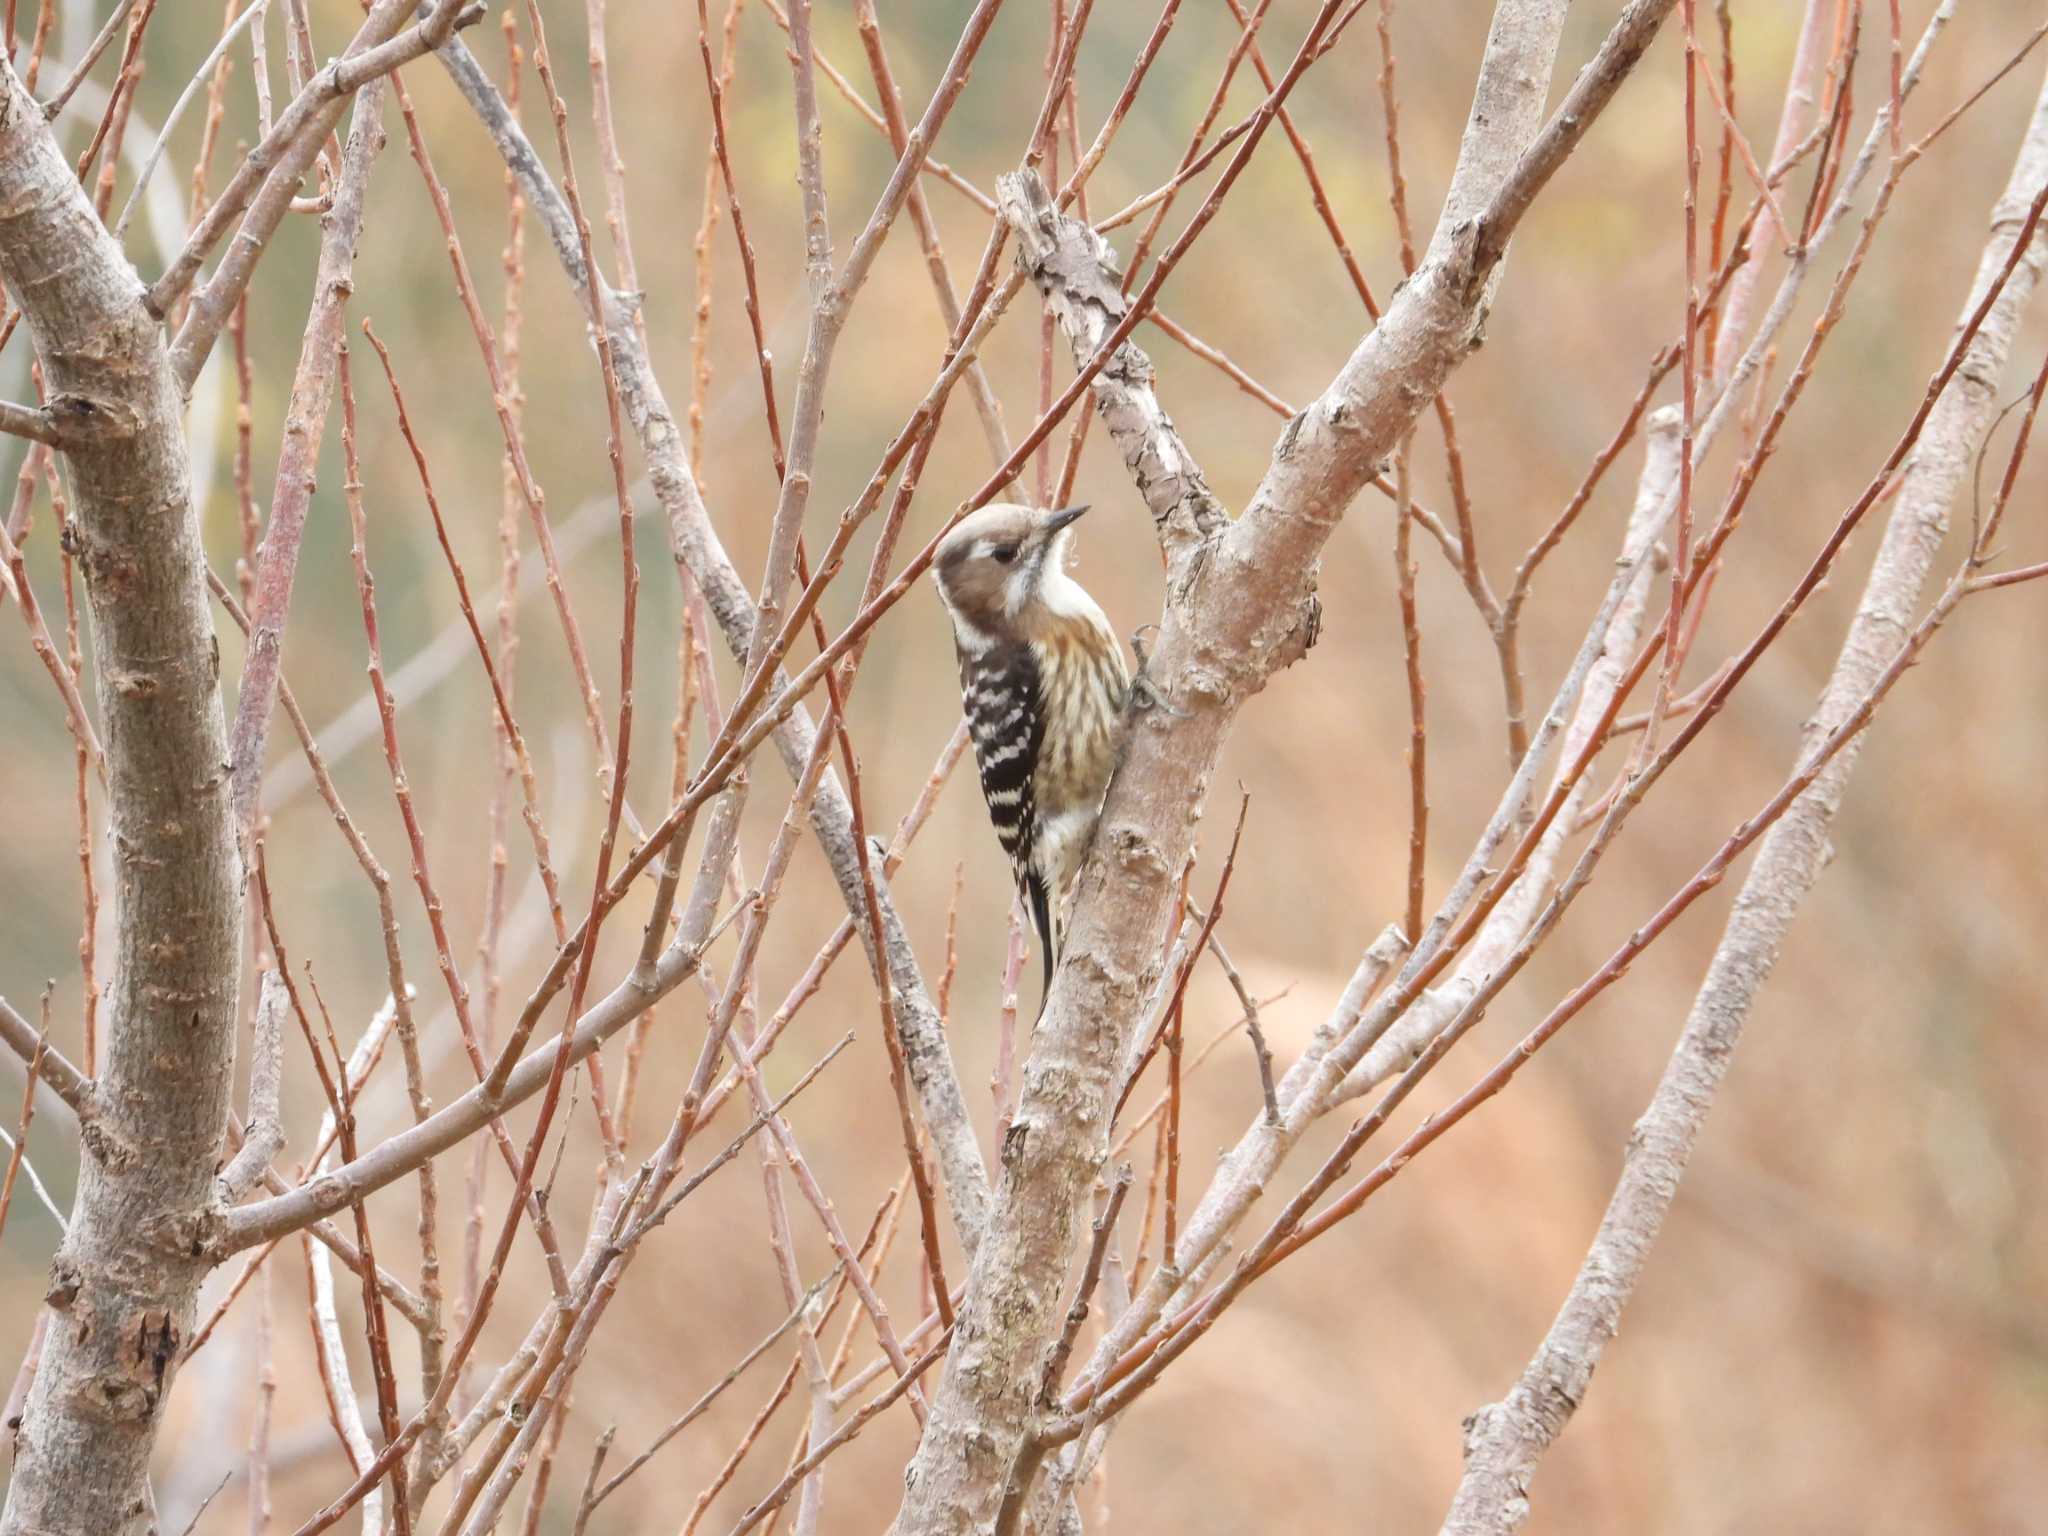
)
(1724, 180)
(89, 901)
(19, 1153)
(773, 1499)
(76, 717)
(1418, 718)
(509, 428)
(874, 118)
(305, 424)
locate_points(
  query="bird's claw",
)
(1149, 697)
(1144, 691)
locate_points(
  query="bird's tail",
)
(1041, 919)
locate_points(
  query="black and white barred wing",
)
(1001, 691)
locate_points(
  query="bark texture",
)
(1076, 272)
(125, 1278)
(1506, 1441)
(1240, 606)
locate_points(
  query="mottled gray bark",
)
(1240, 606)
(1506, 1441)
(126, 1276)
(1077, 275)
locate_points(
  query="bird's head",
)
(997, 562)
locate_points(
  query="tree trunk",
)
(126, 1276)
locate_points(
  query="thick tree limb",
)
(1076, 273)
(1505, 1441)
(125, 1278)
(1313, 1084)
(1239, 607)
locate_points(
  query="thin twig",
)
(91, 56)
(772, 1500)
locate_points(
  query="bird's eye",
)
(1005, 553)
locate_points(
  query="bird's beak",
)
(1055, 521)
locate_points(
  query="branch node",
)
(264, 1137)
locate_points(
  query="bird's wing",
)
(1006, 721)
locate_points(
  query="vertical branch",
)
(90, 1419)
(1047, 150)
(330, 1351)
(611, 163)
(1192, 156)
(1681, 538)
(1505, 1441)
(1607, 679)
(89, 900)
(1077, 435)
(543, 1474)
(920, 1174)
(250, 520)
(305, 425)
(31, 1358)
(266, 1398)
(375, 1324)
(1809, 60)
(423, 879)
(1418, 718)
(1240, 606)
(77, 719)
(509, 424)
(630, 582)
(1724, 181)
(1168, 1251)
(811, 1502)
(738, 1454)
(1390, 105)
(332, 1354)
(986, 405)
(1003, 1075)
(817, 352)
(718, 80)
(1897, 74)
(510, 502)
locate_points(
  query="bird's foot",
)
(1144, 691)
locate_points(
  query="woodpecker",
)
(1043, 683)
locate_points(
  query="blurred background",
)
(1843, 1326)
